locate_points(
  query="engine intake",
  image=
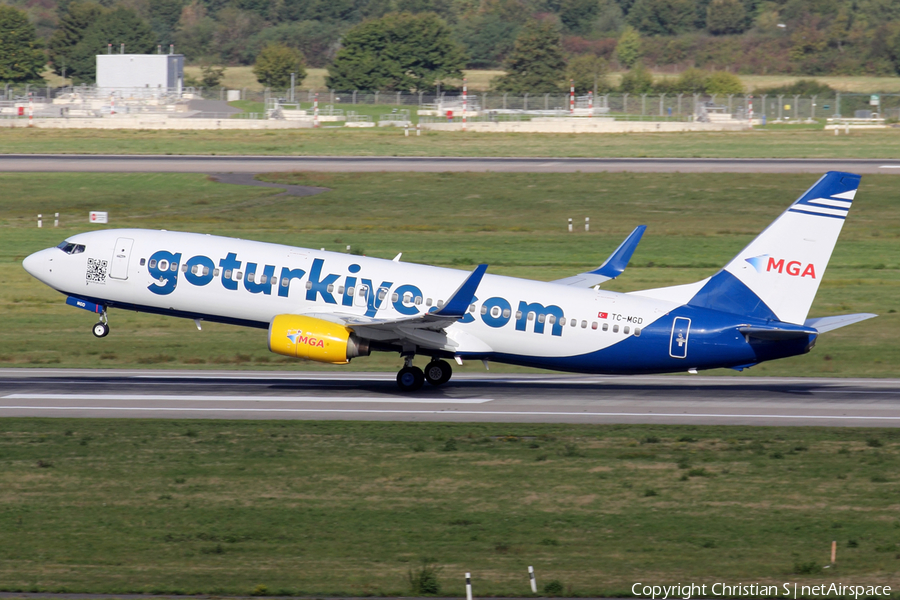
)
(314, 339)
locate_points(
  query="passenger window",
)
(419, 302)
(395, 296)
(428, 302)
(173, 267)
(285, 282)
(552, 319)
(584, 324)
(262, 278)
(637, 332)
(206, 272)
(440, 304)
(251, 277)
(152, 263)
(184, 269)
(518, 315)
(483, 309)
(495, 312)
(506, 313)
(238, 275)
(350, 290)
(382, 293)
(626, 330)
(164, 265)
(615, 329)
(531, 316)
(340, 288)
(362, 290)
(573, 322)
(228, 274)
(309, 285)
(329, 288)
(606, 327)
(594, 325)
(216, 273)
(143, 261)
(542, 318)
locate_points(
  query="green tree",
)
(488, 37)
(587, 72)
(637, 81)
(211, 75)
(628, 49)
(578, 15)
(691, 81)
(164, 15)
(536, 64)
(662, 17)
(400, 51)
(21, 61)
(275, 64)
(73, 25)
(725, 17)
(724, 83)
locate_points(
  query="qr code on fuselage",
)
(96, 270)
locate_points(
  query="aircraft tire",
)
(101, 330)
(438, 372)
(410, 379)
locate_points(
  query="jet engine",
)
(314, 339)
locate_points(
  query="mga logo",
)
(296, 336)
(794, 268)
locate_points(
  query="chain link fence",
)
(95, 102)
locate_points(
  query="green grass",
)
(514, 222)
(770, 142)
(309, 508)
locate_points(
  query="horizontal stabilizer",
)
(614, 265)
(774, 333)
(823, 324)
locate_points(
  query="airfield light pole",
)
(31, 109)
(590, 104)
(316, 111)
(533, 582)
(468, 586)
(571, 97)
(465, 101)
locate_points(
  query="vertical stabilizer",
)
(778, 274)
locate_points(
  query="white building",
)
(129, 71)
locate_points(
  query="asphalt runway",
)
(78, 163)
(500, 398)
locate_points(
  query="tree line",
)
(811, 37)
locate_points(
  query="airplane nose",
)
(36, 264)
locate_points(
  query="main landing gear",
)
(101, 329)
(411, 378)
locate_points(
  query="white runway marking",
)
(889, 167)
(170, 397)
(455, 412)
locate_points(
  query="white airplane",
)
(333, 307)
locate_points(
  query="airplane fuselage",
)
(510, 320)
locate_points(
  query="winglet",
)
(612, 267)
(618, 260)
(459, 302)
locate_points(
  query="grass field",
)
(514, 222)
(306, 508)
(771, 142)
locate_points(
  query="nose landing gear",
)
(101, 329)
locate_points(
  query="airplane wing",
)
(614, 265)
(425, 329)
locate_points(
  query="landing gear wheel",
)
(101, 330)
(438, 372)
(410, 379)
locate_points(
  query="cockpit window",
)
(70, 248)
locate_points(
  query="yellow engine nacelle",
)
(314, 339)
